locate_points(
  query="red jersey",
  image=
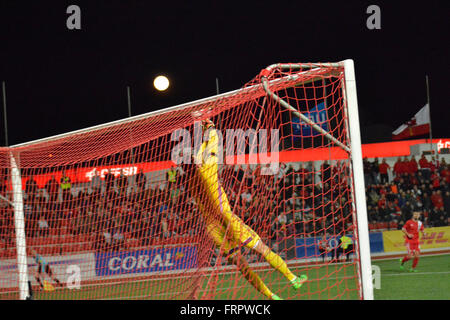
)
(412, 166)
(383, 168)
(323, 244)
(413, 228)
(399, 168)
(423, 162)
(447, 176)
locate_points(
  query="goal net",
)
(228, 197)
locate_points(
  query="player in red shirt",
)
(324, 248)
(411, 230)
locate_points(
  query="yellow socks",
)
(279, 264)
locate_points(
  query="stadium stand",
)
(85, 219)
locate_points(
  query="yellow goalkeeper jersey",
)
(212, 200)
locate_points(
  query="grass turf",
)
(431, 282)
(331, 281)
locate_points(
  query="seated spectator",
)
(393, 211)
(392, 195)
(433, 218)
(444, 187)
(118, 239)
(406, 214)
(446, 200)
(416, 191)
(405, 183)
(373, 214)
(43, 227)
(442, 218)
(435, 181)
(436, 199)
(402, 199)
(373, 196)
(383, 189)
(413, 179)
(426, 202)
(382, 201)
(281, 220)
(446, 177)
(107, 238)
(420, 178)
(384, 214)
(412, 198)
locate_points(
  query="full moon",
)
(161, 83)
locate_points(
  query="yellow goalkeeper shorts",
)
(230, 241)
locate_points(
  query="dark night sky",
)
(59, 80)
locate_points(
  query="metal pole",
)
(219, 120)
(4, 113)
(429, 113)
(129, 115)
(129, 101)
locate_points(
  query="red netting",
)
(113, 217)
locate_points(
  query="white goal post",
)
(355, 151)
(358, 175)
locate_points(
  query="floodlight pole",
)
(129, 115)
(129, 101)
(429, 113)
(217, 86)
(5, 118)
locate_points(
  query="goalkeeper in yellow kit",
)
(227, 230)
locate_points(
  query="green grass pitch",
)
(332, 281)
(431, 282)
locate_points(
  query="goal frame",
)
(355, 151)
(350, 105)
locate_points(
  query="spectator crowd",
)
(414, 186)
(296, 201)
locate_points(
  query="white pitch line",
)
(412, 273)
